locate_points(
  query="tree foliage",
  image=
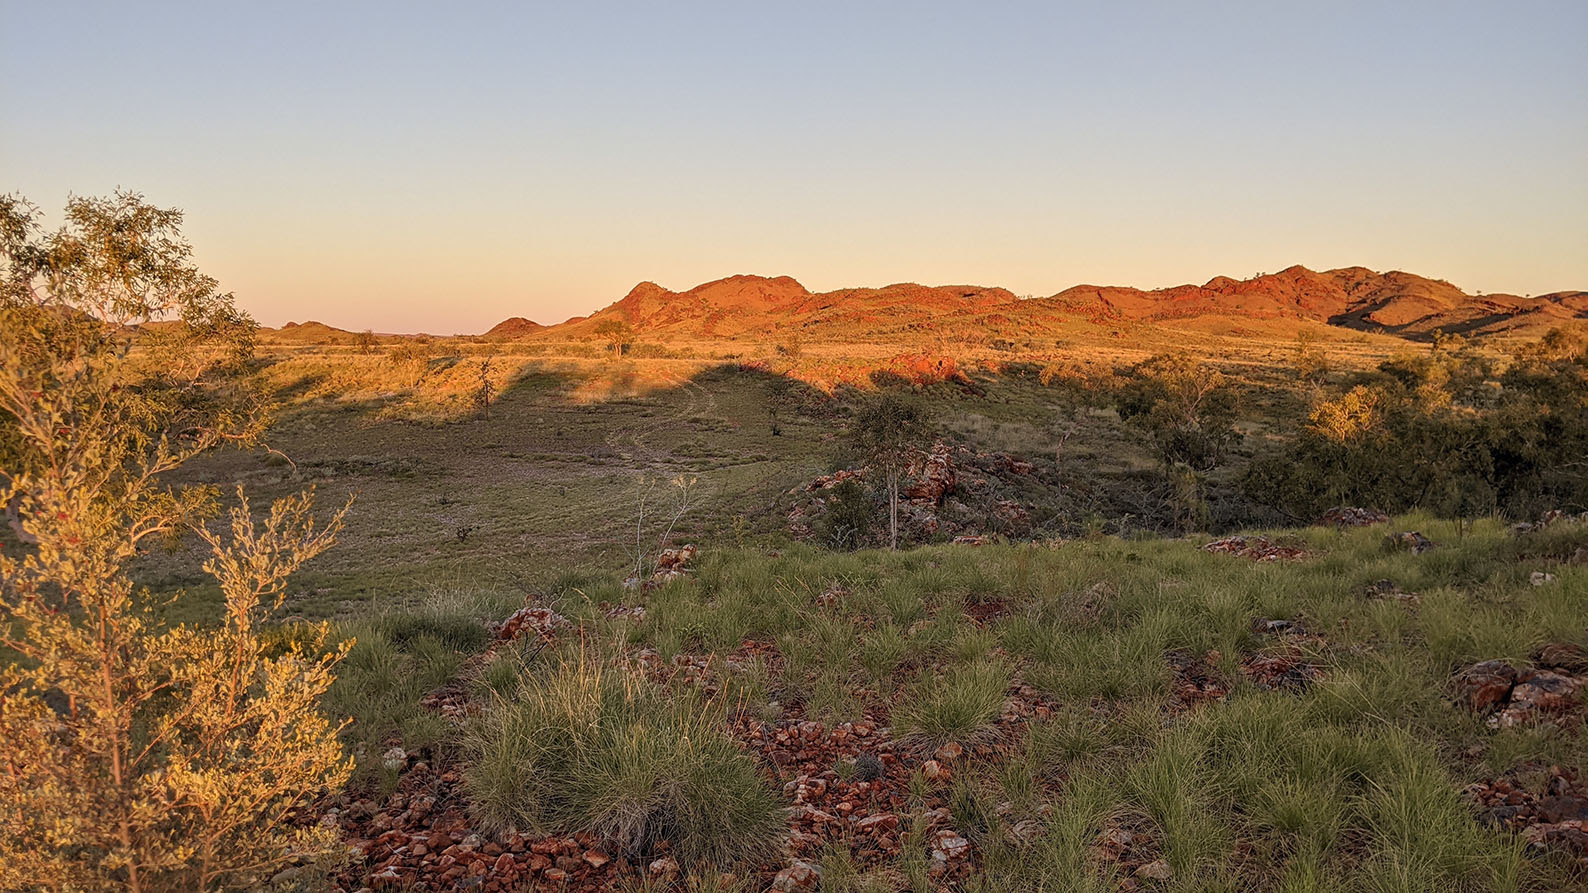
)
(617, 333)
(1444, 431)
(1185, 405)
(137, 755)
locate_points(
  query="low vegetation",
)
(581, 745)
(1068, 697)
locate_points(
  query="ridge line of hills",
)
(1394, 303)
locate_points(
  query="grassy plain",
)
(1351, 779)
(553, 480)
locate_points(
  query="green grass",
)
(959, 705)
(1350, 783)
(580, 746)
(397, 658)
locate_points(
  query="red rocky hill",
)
(1395, 303)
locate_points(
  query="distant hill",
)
(310, 332)
(746, 305)
(1395, 302)
(513, 327)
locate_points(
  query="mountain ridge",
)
(1393, 302)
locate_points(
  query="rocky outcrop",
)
(1513, 697)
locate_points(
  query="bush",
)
(1440, 432)
(582, 747)
(851, 514)
(138, 755)
(1185, 405)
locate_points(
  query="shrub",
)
(1185, 405)
(139, 756)
(1440, 432)
(888, 429)
(583, 747)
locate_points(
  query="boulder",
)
(1410, 541)
(1537, 695)
(934, 477)
(1485, 684)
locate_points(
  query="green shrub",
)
(584, 747)
(852, 510)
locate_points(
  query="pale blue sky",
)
(440, 166)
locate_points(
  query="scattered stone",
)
(670, 565)
(1540, 578)
(1552, 816)
(1255, 548)
(799, 875)
(1280, 671)
(1156, 870)
(950, 752)
(884, 821)
(1549, 519)
(544, 622)
(985, 610)
(622, 612)
(1563, 657)
(949, 846)
(1538, 694)
(1387, 589)
(829, 481)
(675, 559)
(394, 759)
(1485, 685)
(1197, 680)
(665, 868)
(1410, 541)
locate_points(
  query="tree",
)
(485, 390)
(886, 431)
(616, 333)
(1185, 405)
(137, 755)
(365, 341)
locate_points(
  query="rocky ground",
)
(851, 784)
(949, 493)
(859, 788)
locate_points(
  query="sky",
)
(441, 166)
